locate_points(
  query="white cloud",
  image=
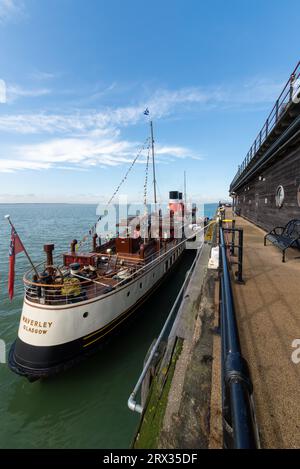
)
(14, 92)
(39, 75)
(11, 10)
(162, 103)
(83, 153)
(2, 92)
(11, 165)
(177, 152)
(83, 139)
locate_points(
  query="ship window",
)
(128, 293)
(279, 198)
(85, 315)
(141, 285)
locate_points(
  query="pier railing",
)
(132, 401)
(278, 111)
(239, 423)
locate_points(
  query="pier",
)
(268, 316)
(184, 405)
(232, 373)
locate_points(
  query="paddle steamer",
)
(72, 306)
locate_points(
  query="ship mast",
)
(184, 188)
(153, 163)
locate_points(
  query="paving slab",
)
(268, 313)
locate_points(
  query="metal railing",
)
(64, 293)
(239, 423)
(279, 109)
(67, 291)
(132, 403)
(240, 247)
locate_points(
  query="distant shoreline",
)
(79, 203)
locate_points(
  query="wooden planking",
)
(284, 171)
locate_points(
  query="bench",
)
(285, 237)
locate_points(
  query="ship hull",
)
(51, 340)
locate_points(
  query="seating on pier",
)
(285, 237)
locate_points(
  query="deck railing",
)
(239, 423)
(278, 111)
(65, 292)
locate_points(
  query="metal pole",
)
(25, 251)
(233, 238)
(153, 163)
(239, 427)
(276, 111)
(132, 404)
(240, 257)
(185, 188)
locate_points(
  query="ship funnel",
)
(175, 202)
(73, 246)
(95, 236)
(49, 248)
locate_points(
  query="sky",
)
(76, 76)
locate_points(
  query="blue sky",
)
(79, 73)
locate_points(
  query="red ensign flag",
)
(15, 247)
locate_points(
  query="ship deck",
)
(268, 313)
(113, 271)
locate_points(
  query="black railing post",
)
(220, 253)
(240, 257)
(239, 425)
(232, 238)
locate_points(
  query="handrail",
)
(132, 404)
(277, 112)
(239, 424)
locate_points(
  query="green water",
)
(85, 407)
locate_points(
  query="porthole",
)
(128, 293)
(85, 315)
(279, 197)
(141, 285)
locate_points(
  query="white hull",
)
(51, 327)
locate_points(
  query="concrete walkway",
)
(268, 311)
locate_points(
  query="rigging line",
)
(159, 195)
(92, 230)
(128, 171)
(146, 177)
